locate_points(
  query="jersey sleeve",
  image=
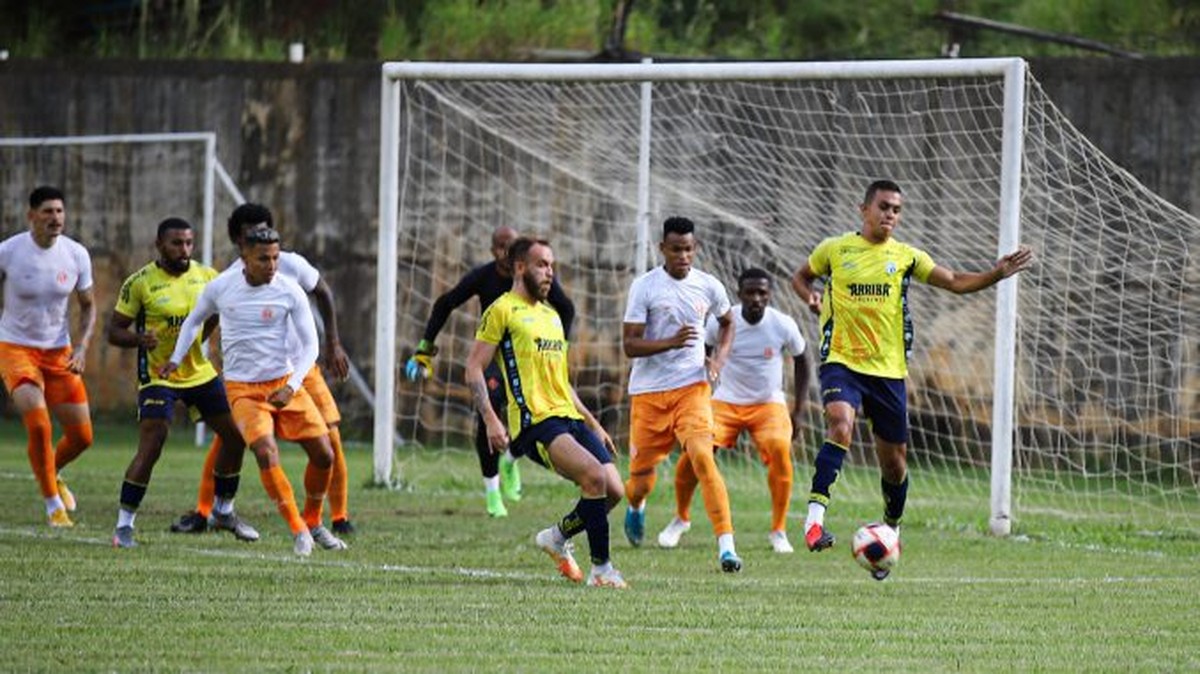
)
(85, 268)
(305, 273)
(818, 261)
(711, 328)
(492, 323)
(922, 265)
(720, 298)
(636, 310)
(129, 299)
(793, 340)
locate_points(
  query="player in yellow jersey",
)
(546, 420)
(151, 307)
(865, 338)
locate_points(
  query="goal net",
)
(1092, 352)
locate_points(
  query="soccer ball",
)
(876, 547)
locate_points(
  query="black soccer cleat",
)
(343, 527)
(190, 523)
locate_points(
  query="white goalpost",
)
(1050, 397)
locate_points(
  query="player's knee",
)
(80, 435)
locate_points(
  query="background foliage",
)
(549, 29)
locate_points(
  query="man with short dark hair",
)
(41, 368)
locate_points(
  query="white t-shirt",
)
(38, 283)
(665, 304)
(753, 374)
(255, 321)
(296, 267)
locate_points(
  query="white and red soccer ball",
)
(876, 546)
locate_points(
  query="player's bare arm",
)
(800, 379)
(593, 423)
(337, 363)
(720, 353)
(969, 282)
(87, 327)
(633, 338)
(482, 353)
(802, 283)
(121, 334)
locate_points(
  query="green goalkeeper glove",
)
(420, 365)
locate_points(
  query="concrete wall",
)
(303, 140)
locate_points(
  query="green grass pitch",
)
(431, 584)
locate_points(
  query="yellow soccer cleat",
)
(59, 519)
(65, 494)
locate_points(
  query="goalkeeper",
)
(501, 476)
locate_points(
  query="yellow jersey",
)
(865, 322)
(158, 302)
(532, 355)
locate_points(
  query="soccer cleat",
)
(510, 479)
(123, 538)
(730, 562)
(59, 519)
(326, 540)
(779, 542)
(560, 553)
(675, 529)
(304, 544)
(880, 574)
(190, 523)
(234, 524)
(610, 578)
(817, 539)
(495, 504)
(635, 526)
(343, 527)
(65, 494)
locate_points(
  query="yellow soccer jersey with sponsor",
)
(532, 353)
(865, 322)
(158, 302)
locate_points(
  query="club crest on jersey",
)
(62, 278)
(267, 314)
(890, 267)
(768, 353)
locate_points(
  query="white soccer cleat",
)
(779, 542)
(327, 540)
(560, 553)
(675, 529)
(304, 544)
(609, 578)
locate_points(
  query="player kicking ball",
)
(546, 420)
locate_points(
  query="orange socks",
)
(316, 483)
(339, 483)
(280, 491)
(41, 453)
(712, 485)
(208, 485)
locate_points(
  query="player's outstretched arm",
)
(420, 364)
(969, 282)
(802, 282)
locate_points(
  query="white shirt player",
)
(292, 266)
(38, 283)
(255, 321)
(753, 373)
(664, 304)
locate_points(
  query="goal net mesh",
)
(1107, 388)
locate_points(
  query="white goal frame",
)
(1012, 70)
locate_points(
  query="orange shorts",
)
(318, 390)
(659, 420)
(256, 418)
(768, 423)
(44, 368)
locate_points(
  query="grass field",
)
(431, 584)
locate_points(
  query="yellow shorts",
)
(318, 390)
(659, 420)
(768, 423)
(44, 368)
(256, 418)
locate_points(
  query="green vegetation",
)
(527, 29)
(430, 584)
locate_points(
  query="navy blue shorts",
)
(205, 400)
(533, 441)
(883, 401)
